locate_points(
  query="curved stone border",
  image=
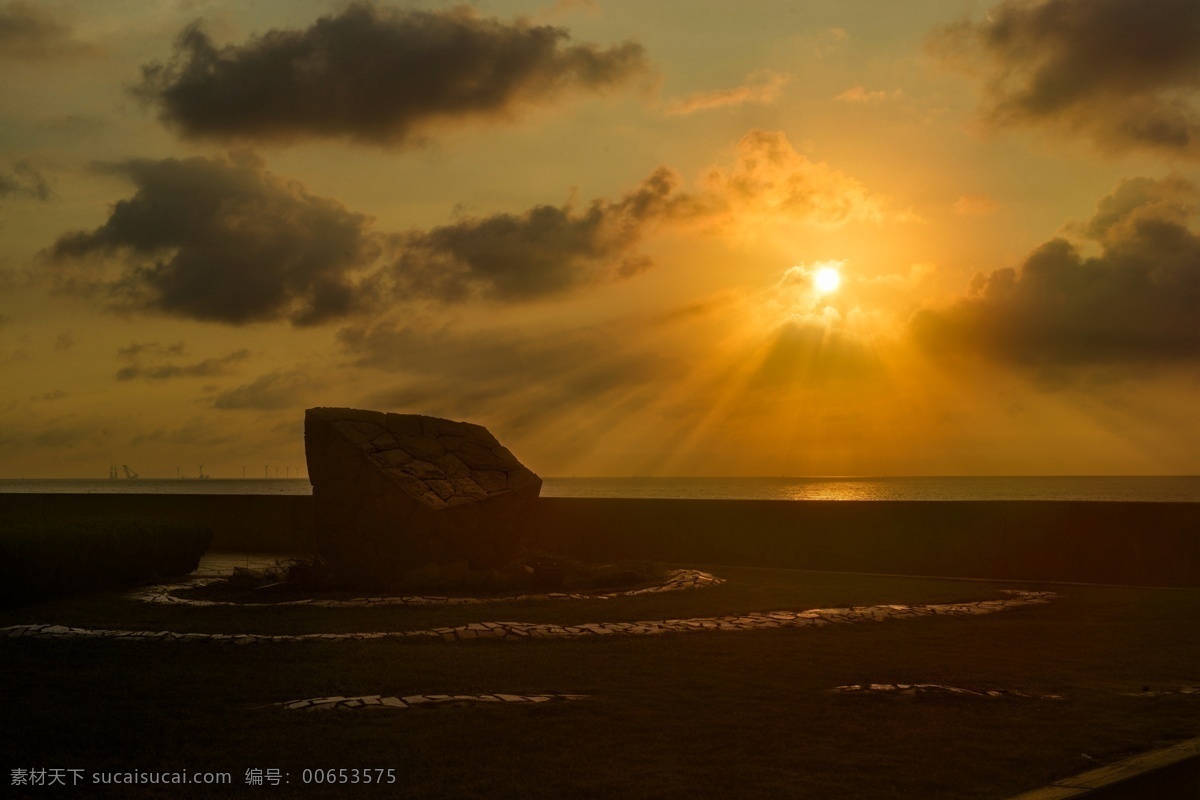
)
(816, 617)
(677, 580)
(1161, 692)
(912, 689)
(416, 700)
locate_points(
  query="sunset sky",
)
(594, 226)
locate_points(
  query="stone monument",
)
(397, 494)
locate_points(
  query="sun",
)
(826, 280)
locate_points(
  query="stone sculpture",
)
(396, 494)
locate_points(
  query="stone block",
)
(393, 493)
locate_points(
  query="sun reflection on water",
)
(833, 490)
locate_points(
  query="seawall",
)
(1150, 544)
(240, 522)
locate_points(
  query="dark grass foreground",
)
(721, 715)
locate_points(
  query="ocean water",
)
(1158, 489)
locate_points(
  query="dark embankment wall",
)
(1150, 544)
(265, 523)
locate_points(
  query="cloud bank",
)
(375, 75)
(1138, 300)
(223, 240)
(1123, 72)
(24, 181)
(29, 32)
(543, 251)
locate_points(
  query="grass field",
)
(745, 714)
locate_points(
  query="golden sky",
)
(596, 226)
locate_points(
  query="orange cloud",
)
(770, 181)
(763, 86)
(860, 94)
(974, 205)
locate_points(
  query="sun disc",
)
(827, 280)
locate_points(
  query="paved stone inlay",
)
(913, 689)
(677, 580)
(811, 618)
(418, 700)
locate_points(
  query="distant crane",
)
(128, 472)
(112, 472)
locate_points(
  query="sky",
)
(596, 226)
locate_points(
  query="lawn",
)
(715, 714)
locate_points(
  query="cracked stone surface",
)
(914, 689)
(676, 580)
(810, 618)
(418, 700)
(398, 493)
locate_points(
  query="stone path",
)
(811, 618)
(913, 689)
(417, 700)
(676, 580)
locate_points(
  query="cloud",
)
(376, 75)
(24, 180)
(30, 32)
(543, 251)
(1136, 301)
(862, 95)
(763, 86)
(283, 389)
(136, 349)
(771, 182)
(974, 205)
(200, 369)
(1123, 72)
(223, 240)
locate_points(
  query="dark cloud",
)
(1138, 300)
(200, 369)
(223, 240)
(24, 180)
(546, 250)
(375, 74)
(271, 391)
(137, 349)
(28, 31)
(1124, 72)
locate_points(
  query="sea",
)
(1156, 489)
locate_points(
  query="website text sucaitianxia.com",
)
(63, 776)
